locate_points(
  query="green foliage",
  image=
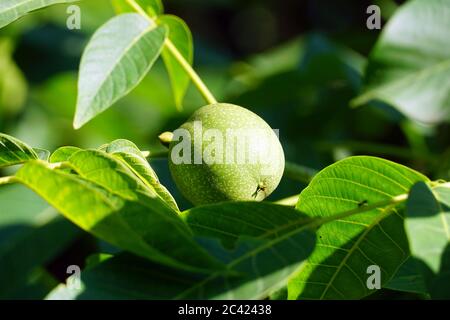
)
(32, 234)
(130, 155)
(152, 7)
(358, 212)
(63, 154)
(11, 10)
(13, 151)
(13, 87)
(120, 209)
(112, 66)
(231, 250)
(428, 229)
(345, 248)
(181, 37)
(409, 67)
(258, 263)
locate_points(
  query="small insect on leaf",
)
(363, 203)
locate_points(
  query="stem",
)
(201, 87)
(299, 173)
(7, 180)
(155, 155)
(59, 165)
(289, 201)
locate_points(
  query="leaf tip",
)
(78, 123)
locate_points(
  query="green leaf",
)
(408, 279)
(347, 247)
(14, 151)
(63, 154)
(116, 59)
(152, 7)
(31, 235)
(181, 37)
(130, 155)
(428, 229)
(409, 67)
(13, 85)
(11, 10)
(115, 207)
(265, 243)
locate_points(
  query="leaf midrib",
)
(353, 249)
(372, 92)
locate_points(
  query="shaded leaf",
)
(408, 278)
(256, 263)
(31, 234)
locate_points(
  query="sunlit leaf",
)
(347, 247)
(11, 10)
(428, 229)
(114, 206)
(115, 61)
(130, 154)
(63, 154)
(13, 151)
(409, 67)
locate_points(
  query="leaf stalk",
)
(198, 82)
(7, 180)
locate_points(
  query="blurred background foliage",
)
(296, 63)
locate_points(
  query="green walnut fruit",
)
(225, 153)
